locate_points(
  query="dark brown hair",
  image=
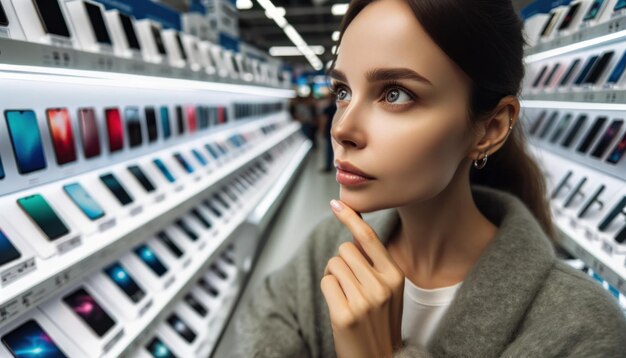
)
(485, 39)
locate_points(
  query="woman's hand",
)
(363, 288)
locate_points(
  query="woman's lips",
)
(346, 178)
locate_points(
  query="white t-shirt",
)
(423, 310)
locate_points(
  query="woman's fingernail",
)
(336, 205)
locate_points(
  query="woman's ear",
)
(494, 130)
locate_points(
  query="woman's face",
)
(402, 109)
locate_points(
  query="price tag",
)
(69, 245)
(159, 198)
(187, 263)
(14, 273)
(608, 248)
(136, 210)
(145, 308)
(106, 225)
(588, 235)
(169, 282)
(179, 188)
(111, 343)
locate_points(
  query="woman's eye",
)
(343, 95)
(397, 96)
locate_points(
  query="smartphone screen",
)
(51, 17)
(165, 122)
(97, 23)
(594, 10)
(211, 151)
(148, 257)
(599, 68)
(181, 48)
(118, 274)
(607, 138)
(89, 132)
(208, 287)
(29, 338)
(62, 135)
(592, 134)
(551, 75)
(133, 126)
(158, 40)
(560, 128)
(166, 240)
(573, 133)
(4, 20)
(42, 214)
(585, 72)
(8, 252)
(182, 225)
(129, 32)
(191, 118)
(117, 189)
(158, 349)
(114, 129)
(196, 305)
(181, 328)
(569, 17)
(180, 121)
(84, 201)
(86, 307)
(570, 72)
(618, 152)
(141, 178)
(26, 141)
(151, 123)
(620, 5)
(618, 71)
(183, 163)
(204, 221)
(164, 170)
(199, 157)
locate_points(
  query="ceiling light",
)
(334, 50)
(339, 9)
(295, 51)
(335, 36)
(244, 4)
(272, 13)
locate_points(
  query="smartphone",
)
(621, 4)
(585, 72)
(118, 274)
(196, 305)
(222, 116)
(211, 151)
(117, 189)
(87, 308)
(158, 349)
(551, 74)
(51, 17)
(618, 71)
(538, 122)
(129, 31)
(151, 123)
(183, 163)
(204, 221)
(563, 123)
(182, 225)
(29, 340)
(150, 259)
(141, 178)
(199, 157)
(181, 48)
(546, 129)
(114, 129)
(219, 272)
(26, 140)
(89, 132)
(180, 121)
(569, 73)
(592, 134)
(42, 214)
(616, 211)
(599, 68)
(208, 287)
(1, 170)
(594, 10)
(158, 40)
(8, 252)
(191, 118)
(573, 133)
(98, 25)
(133, 126)
(618, 152)
(84, 201)
(165, 122)
(62, 135)
(569, 16)
(164, 170)
(610, 134)
(4, 20)
(203, 115)
(181, 328)
(166, 240)
(213, 209)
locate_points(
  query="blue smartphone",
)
(26, 140)
(158, 349)
(594, 10)
(166, 172)
(30, 340)
(150, 259)
(588, 66)
(165, 122)
(199, 157)
(618, 71)
(211, 151)
(8, 252)
(84, 201)
(118, 274)
(40, 212)
(1, 170)
(183, 163)
(620, 5)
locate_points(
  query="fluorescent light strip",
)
(576, 46)
(574, 105)
(295, 51)
(339, 9)
(114, 79)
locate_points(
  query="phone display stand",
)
(86, 36)
(33, 27)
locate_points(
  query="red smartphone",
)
(89, 132)
(220, 115)
(191, 118)
(62, 135)
(115, 129)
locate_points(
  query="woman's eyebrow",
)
(388, 74)
(338, 75)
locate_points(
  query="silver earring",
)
(511, 124)
(479, 164)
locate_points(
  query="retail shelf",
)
(606, 33)
(587, 99)
(54, 274)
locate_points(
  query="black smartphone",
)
(4, 20)
(538, 121)
(181, 328)
(8, 252)
(118, 274)
(183, 163)
(212, 207)
(592, 200)
(203, 220)
(560, 128)
(599, 68)
(133, 126)
(586, 69)
(141, 178)
(573, 133)
(31, 337)
(151, 123)
(569, 16)
(89, 310)
(151, 260)
(208, 287)
(158, 40)
(615, 212)
(116, 188)
(220, 199)
(97, 23)
(196, 305)
(610, 134)
(181, 48)
(219, 272)
(180, 120)
(546, 129)
(51, 17)
(211, 151)
(182, 225)
(129, 32)
(592, 134)
(618, 152)
(570, 72)
(158, 349)
(166, 240)
(42, 214)
(548, 26)
(562, 184)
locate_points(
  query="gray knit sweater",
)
(517, 301)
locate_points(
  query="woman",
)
(462, 265)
